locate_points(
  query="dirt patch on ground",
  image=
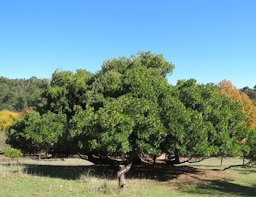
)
(200, 177)
(4, 159)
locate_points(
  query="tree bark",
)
(121, 179)
(221, 161)
(120, 175)
(135, 158)
(232, 166)
(176, 156)
(154, 159)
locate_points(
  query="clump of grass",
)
(12, 152)
(104, 188)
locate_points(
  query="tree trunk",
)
(120, 175)
(154, 159)
(134, 158)
(121, 179)
(176, 157)
(221, 161)
(90, 157)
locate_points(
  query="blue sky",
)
(209, 40)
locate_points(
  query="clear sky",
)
(209, 40)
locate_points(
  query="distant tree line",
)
(18, 94)
(129, 109)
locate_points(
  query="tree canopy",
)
(207, 123)
(129, 108)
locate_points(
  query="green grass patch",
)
(207, 179)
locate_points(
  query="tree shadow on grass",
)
(161, 173)
(223, 187)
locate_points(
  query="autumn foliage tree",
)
(7, 118)
(249, 109)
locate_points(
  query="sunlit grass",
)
(16, 181)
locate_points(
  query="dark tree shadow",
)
(161, 173)
(224, 187)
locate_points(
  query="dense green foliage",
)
(201, 122)
(215, 124)
(17, 94)
(128, 107)
(37, 132)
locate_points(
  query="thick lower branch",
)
(241, 165)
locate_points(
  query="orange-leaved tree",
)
(249, 109)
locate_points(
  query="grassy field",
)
(64, 178)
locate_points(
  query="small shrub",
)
(12, 152)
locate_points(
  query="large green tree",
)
(123, 109)
(129, 108)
